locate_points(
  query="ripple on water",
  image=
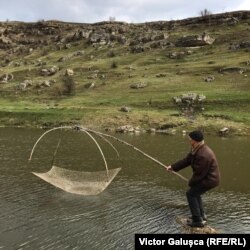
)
(142, 199)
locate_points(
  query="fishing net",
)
(86, 183)
(76, 182)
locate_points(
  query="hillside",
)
(54, 73)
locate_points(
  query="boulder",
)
(125, 129)
(245, 44)
(24, 85)
(89, 85)
(69, 72)
(49, 72)
(21, 86)
(6, 77)
(241, 45)
(46, 83)
(189, 98)
(125, 109)
(224, 131)
(195, 40)
(152, 130)
(28, 83)
(44, 72)
(53, 70)
(232, 21)
(209, 78)
(232, 70)
(137, 49)
(93, 76)
(161, 75)
(138, 85)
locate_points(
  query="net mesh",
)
(76, 182)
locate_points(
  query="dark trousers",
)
(195, 202)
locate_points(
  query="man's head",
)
(195, 137)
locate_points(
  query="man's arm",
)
(180, 164)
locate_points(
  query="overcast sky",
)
(135, 11)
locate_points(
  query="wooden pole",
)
(135, 148)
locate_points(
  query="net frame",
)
(75, 181)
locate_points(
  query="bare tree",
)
(205, 12)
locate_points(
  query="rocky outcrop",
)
(69, 72)
(195, 40)
(244, 44)
(18, 37)
(6, 78)
(232, 70)
(46, 83)
(128, 129)
(209, 78)
(125, 109)
(189, 98)
(241, 45)
(137, 49)
(50, 71)
(140, 85)
(24, 85)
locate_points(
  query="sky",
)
(131, 11)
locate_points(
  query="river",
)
(143, 198)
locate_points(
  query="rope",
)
(86, 130)
(137, 149)
(40, 138)
(68, 127)
(58, 144)
(106, 165)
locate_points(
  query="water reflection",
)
(143, 198)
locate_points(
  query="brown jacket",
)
(205, 167)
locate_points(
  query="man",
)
(205, 176)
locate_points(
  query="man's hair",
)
(196, 135)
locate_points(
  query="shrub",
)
(114, 65)
(68, 85)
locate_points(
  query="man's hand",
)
(169, 168)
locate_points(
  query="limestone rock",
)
(224, 131)
(6, 77)
(138, 85)
(195, 40)
(125, 109)
(209, 78)
(232, 70)
(50, 71)
(125, 129)
(69, 72)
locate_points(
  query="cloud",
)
(89, 11)
(244, 5)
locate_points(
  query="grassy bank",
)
(227, 97)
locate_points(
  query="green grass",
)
(228, 97)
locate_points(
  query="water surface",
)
(143, 198)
